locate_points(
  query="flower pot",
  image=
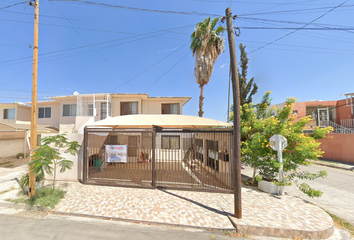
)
(270, 187)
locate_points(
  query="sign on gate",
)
(116, 153)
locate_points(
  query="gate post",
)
(153, 157)
(85, 157)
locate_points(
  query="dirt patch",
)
(13, 162)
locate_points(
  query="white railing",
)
(348, 123)
(336, 127)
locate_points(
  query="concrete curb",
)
(138, 221)
(23, 206)
(335, 165)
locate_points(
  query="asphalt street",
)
(66, 227)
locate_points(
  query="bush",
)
(24, 181)
(20, 155)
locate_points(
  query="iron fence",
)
(189, 159)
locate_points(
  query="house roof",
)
(16, 104)
(145, 95)
(162, 120)
(26, 126)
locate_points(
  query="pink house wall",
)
(338, 147)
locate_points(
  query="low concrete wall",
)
(76, 172)
(11, 147)
(338, 147)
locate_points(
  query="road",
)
(65, 227)
(337, 188)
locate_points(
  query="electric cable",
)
(332, 9)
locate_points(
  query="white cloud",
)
(224, 65)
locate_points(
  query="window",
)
(9, 113)
(295, 112)
(170, 142)
(104, 110)
(90, 109)
(69, 110)
(170, 108)
(127, 108)
(44, 112)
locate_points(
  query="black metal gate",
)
(189, 159)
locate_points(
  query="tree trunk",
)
(201, 100)
(55, 173)
(254, 175)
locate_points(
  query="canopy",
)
(163, 121)
(26, 126)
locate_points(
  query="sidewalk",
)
(263, 214)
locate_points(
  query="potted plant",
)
(258, 126)
(25, 180)
(20, 155)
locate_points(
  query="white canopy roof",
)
(162, 120)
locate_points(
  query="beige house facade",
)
(15, 128)
(71, 113)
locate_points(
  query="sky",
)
(301, 49)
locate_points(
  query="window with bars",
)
(44, 112)
(9, 113)
(127, 108)
(69, 110)
(170, 142)
(170, 108)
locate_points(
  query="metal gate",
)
(186, 159)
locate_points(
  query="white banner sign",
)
(116, 153)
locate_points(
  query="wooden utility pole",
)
(32, 175)
(237, 120)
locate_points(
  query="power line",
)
(292, 28)
(93, 47)
(150, 67)
(16, 76)
(167, 71)
(333, 8)
(12, 5)
(291, 11)
(100, 43)
(40, 15)
(139, 9)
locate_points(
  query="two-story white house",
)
(71, 113)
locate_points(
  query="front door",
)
(323, 117)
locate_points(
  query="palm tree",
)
(207, 45)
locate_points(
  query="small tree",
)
(247, 88)
(256, 129)
(47, 157)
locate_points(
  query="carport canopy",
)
(160, 120)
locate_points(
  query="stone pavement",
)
(263, 214)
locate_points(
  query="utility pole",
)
(32, 175)
(237, 121)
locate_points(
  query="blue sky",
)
(92, 48)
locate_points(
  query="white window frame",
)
(70, 110)
(8, 113)
(45, 109)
